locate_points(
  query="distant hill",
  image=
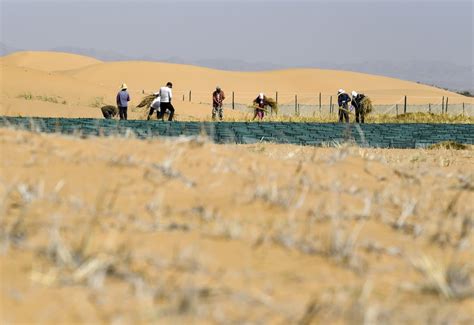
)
(5, 49)
(440, 74)
(98, 54)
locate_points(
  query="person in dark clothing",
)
(217, 102)
(357, 103)
(122, 102)
(166, 95)
(343, 101)
(109, 111)
(260, 102)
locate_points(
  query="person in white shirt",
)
(166, 95)
(155, 105)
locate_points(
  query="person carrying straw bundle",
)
(260, 105)
(362, 105)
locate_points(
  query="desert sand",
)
(106, 230)
(182, 230)
(66, 85)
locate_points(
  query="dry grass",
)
(452, 281)
(449, 145)
(196, 232)
(371, 118)
(97, 102)
(43, 98)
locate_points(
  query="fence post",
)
(190, 96)
(320, 102)
(330, 105)
(276, 97)
(462, 109)
(405, 106)
(442, 106)
(446, 106)
(183, 97)
(233, 100)
(429, 108)
(296, 105)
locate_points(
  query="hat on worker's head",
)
(354, 93)
(218, 88)
(341, 91)
(124, 86)
(260, 95)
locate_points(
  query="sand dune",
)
(305, 82)
(49, 61)
(84, 82)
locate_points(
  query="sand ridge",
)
(49, 61)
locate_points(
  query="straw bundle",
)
(448, 145)
(272, 103)
(366, 105)
(146, 101)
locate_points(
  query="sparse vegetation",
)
(466, 93)
(97, 102)
(371, 118)
(452, 281)
(43, 98)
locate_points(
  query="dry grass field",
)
(117, 230)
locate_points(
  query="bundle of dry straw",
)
(269, 102)
(366, 105)
(146, 101)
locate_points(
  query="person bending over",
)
(359, 109)
(259, 103)
(343, 100)
(217, 102)
(155, 106)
